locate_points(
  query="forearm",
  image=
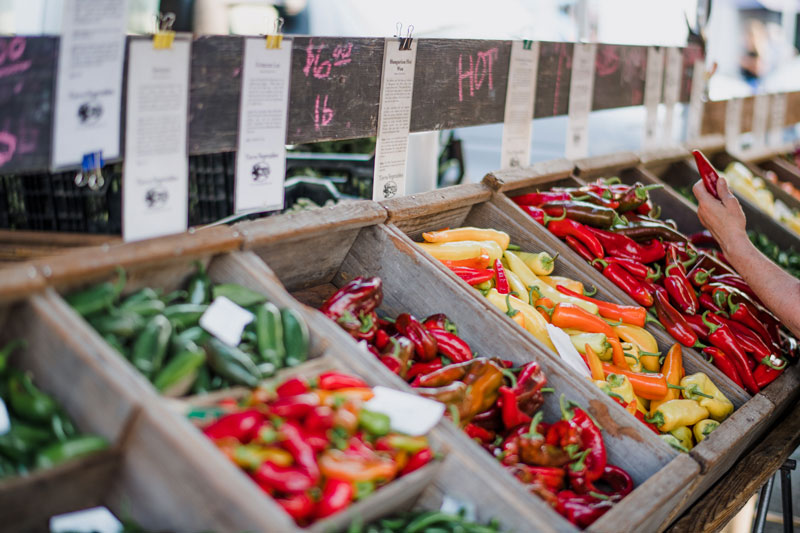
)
(779, 290)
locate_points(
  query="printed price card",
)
(760, 120)
(263, 111)
(580, 100)
(777, 118)
(694, 120)
(654, 77)
(394, 120)
(155, 188)
(672, 90)
(733, 124)
(89, 81)
(520, 96)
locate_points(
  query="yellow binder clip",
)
(164, 35)
(275, 38)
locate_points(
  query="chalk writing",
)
(480, 70)
(11, 51)
(321, 70)
(341, 54)
(8, 145)
(324, 115)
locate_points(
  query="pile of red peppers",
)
(615, 227)
(313, 447)
(494, 402)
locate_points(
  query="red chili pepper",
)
(288, 479)
(550, 478)
(512, 416)
(451, 346)
(680, 289)
(591, 439)
(723, 338)
(584, 234)
(618, 479)
(580, 249)
(625, 247)
(674, 322)
(337, 380)
(292, 387)
(540, 215)
(381, 339)
(294, 406)
(319, 418)
(440, 321)
(626, 282)
(359, 297)
(424, 343)
(750, 342)
(502, 280)
(539, 198)
(640, 416)
(646, 208)
(723, 362)
(299, 506)
(336, 495)
(477, 432)
(635, 268)
(420, 369)
(707, 173)
(473, 276)
(291, 435)
(580, 509)
(700, 276)
(737, 282)
(242, 426)
(703, 239)
(707, 302)
(417, 461)
(654, 288)
(765, 374)
(392, 363)
(630, 314)
(696, 323)
(744, 313)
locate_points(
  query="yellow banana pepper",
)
(535, 323)
(642, 405)
(453, 251)
(677, 413)
(516, 285)
(542, 264)
(698, 387)
(644, 341)
(468, 233)
(684, 435)
(703, 428)
(621, 386)
(631, 352)
(530, 279)
(571, 284)
(597, 341)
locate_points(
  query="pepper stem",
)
(655, 212)
(531, 290)
(587, 293)
(511, 377)
(548, 219)
(670, 267)
(729, 300)
(711, 327)
(694, 391)
(657, 419)
(601, 262)
(533, 433)
(548, 310)
(651, 319)
(612, 181)
(767, 360)
(580, 464)
(654, 354)
(614, 324)
(510, 311)
(566, 414)
(655, 275)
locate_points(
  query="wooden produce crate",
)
(412, 283)
(752, 414)
(785, 170)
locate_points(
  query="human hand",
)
(724, 217)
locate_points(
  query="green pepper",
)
(174, 296)
(199, 287)
(377, 424)
(98, 297)
(61, 426)
(269, 334)
(184, 316)
(195, 334)
(75, 447)
(295, 337)
(142, 295)
(145, 308)
(203, 382)
(151, 345)
(115, 343)
(21, 441)
(122, 324)
(180, 373)
(27, 401)
(6, 352)
(232, 363)
(363, 489)
(238, 294)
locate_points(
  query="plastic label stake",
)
(263, 111)
(672, 90)
(226, 320)
(520, 96)
(89, 81)
(581, 90)
(760, 120)
(155, 187)
(694, 120)
(394, 118)
(777, 118)
(733, 124)
(654, 77)
(408, 413)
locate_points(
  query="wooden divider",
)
(721, 161)
(785, 170)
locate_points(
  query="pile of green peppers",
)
(789, 259)
(41, 434)
(161, 336)
(424, 521)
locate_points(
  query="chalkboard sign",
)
(619, 76)
(459, 82)
(27, 81)
(690, 54)
(552, 87)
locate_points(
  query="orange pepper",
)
(566, 315)
(338, 465)
(631, 407)
(353, 394)
(519, 318)
(481, 262)
(595, 364)
(545, 303)
(618, 355)
(648, 386)
(673, 370)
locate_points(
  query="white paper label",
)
(394, 120)
(451, 505)
(694, 120)
(520, 96)
(94, 520)
(567, 350)
(155, 188)
(760, 119)
(89, 81)
(733, 123)
(226, 320)
(777, 118)
(263, 111)
(672, 89)
(580, 100)
(654, 78)
(408, 413)
(5, 421)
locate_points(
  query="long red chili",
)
(674, 322)
(637, 269)
(242, 426)
(563, 228)
(473, 276)
(579, 248)
(750, 342)
(765, 374)
(625, 247)
(723, 338)
(680, 289)
(336, 380)
(625, 281)
(501, 278)
(707, 173)
(722, 361)
(336, 495)
(451, 346)
(304, 457)
(707, 302)
(742, 312)
(539, 198)
(591, 438)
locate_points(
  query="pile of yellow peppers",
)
(621, 358)
(753, 188)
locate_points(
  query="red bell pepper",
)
(707, 173)
(241, 426)
(626, 282)
(502, 280)
(591, 439)
(355, 300)
(288, 479)
(723, 338)
(477, 432)
(722, 361)
(680, 289)
(584, 234)
(440, 321)
(336, 495)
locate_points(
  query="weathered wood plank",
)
(544, 172)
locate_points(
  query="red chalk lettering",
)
(324, 116)
(462, 75)
(341, 54)
(480, 71)
(8, 145)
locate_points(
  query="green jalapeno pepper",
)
(295, 337)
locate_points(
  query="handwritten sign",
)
(619, 77)
(520, 95)
(580, 100)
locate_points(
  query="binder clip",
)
(275, 38)
(164, 36)
(526, 44)
(405, 42)
(91, 173)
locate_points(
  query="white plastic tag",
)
(581, 91)
(409, 413)
(5, 421)
(226, 320)
(567, 350)
(94, 520)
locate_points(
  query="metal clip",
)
(91, 173)
(275, 38)
(164, 36)
(405, 42)
(526, 44)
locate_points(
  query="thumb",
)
(722, 188)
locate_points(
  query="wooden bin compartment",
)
(412, 283)
(785, 170)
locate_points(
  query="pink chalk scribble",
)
(480, 70)
(324, 115)
(8, 145)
